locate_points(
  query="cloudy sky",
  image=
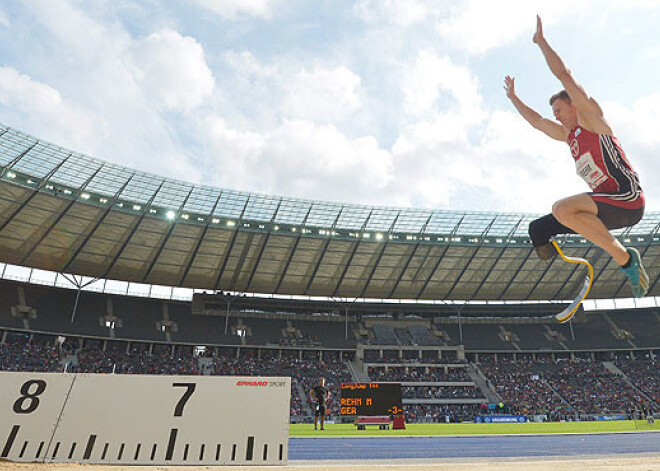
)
(378, 102)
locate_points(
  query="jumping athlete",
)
(616, 199)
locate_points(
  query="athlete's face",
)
(565, 112)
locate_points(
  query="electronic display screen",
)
(371, 399)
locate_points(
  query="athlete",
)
(616, 199)
(320, 394)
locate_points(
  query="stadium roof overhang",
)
(71, 213)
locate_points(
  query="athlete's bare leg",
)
(580, 213)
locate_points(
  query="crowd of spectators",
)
(557, 388)
(442, 392)
(417, 374)
(644, 373)
(592, 389)
(22, 352)
(161, 360)
(31, 357)
(440, 413)
(520, 386)
(562, 388)
(415, 360)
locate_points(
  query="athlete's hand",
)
(538, 36)
(509, 87)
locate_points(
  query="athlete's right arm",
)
(545, 125)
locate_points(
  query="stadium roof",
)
(68, 212)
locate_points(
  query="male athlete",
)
(320, 393)
(616, 199)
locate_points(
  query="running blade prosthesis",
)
(568, 313)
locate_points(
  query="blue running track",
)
(472, 447)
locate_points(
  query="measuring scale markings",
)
(144, 419)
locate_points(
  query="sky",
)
(375, 102)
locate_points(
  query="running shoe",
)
(637, 277)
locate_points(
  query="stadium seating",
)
(570, 374)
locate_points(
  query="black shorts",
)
(615, 217)
(543, 229)
(320, 410)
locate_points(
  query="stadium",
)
(110, 270)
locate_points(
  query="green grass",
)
(349, 430)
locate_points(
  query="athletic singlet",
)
(601, 162)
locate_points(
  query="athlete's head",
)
(564, 110)
(322, 381)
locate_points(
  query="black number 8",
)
(27, 396)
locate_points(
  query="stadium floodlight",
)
(276, 228)
(185, 216)
(231, 223)
(121, 205)
(170, 215)
(215, 221)
(103, 200)
(379, 236)
(153, 211)
(11, 175)
(85, 196)
(137, 207)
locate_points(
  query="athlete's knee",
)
(562, 210)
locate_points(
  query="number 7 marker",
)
(568, 313)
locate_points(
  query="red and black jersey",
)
(601, 162)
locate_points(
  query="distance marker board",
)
(144, 419)
(371, 399)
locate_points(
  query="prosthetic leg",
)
(568, 313)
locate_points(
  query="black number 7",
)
(190, 388)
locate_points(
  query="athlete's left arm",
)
(588, 108)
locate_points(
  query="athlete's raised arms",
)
(590, 114)
(549, 127)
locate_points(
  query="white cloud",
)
(172, 71)
(430, 76)
(246, 65)
(85, 95)
(4, 21)
(322, 95)
(21, 91)
(524, 170)
(512, 167)
(298, 158)
(231, 9)
(477, 26)
(402, 13)
(43, 104)
(637, 126)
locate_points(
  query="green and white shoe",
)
(637, 277)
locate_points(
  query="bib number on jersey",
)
(588, 170)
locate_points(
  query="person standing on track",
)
(320, 394)
(616, 199)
